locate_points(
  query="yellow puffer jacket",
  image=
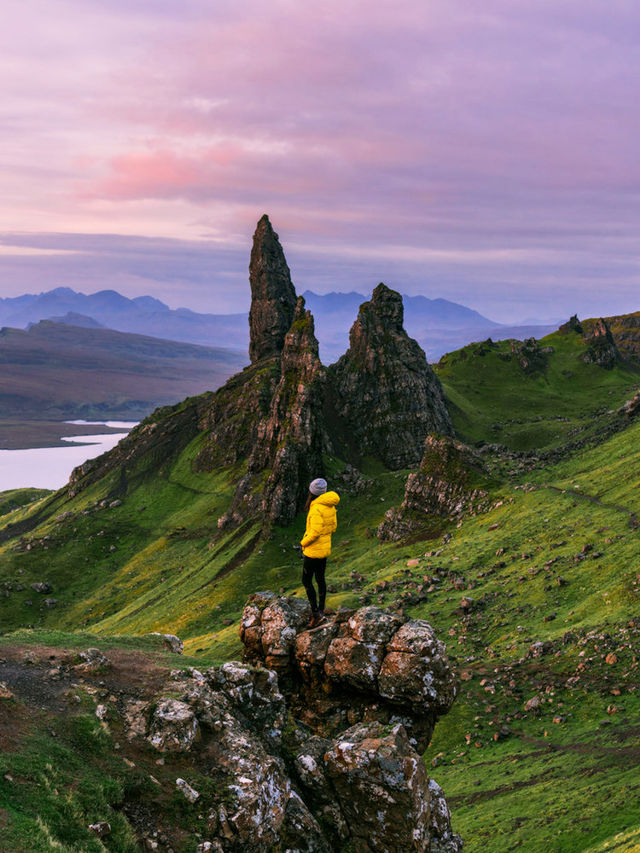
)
(321, 522)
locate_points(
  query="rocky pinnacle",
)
(273, 298)
(385, 391)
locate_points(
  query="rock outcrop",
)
(272, 784)
(572, 325)
(531, 357)
(359, 666)
(451, 481)
(273, 298)
(631, 408)
(384, 390)
(601, 346)
(271, 423)
(368, 687)
(270, 416)
(602, 349)
(279, 416)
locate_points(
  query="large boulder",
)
(363, 665)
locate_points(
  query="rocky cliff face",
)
(384, 389)
(602, 348)
(368, 687)
(283, 429)
(451, 481)
(273, 298)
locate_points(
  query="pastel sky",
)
(485, 152)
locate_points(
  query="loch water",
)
(51, 467)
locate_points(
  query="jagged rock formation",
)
(370, 686)
(625, 329)
(384, 389)
(272, 421)
(602, 348)
(273, 298)
(287, 441)
(531, 357)
(451, 481)
(360, 665)
(270, 415)
(572, 325)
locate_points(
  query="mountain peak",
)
(273, 298)
(387, 305)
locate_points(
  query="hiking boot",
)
(314, 621)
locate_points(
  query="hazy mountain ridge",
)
(59, 371)
(438, 325)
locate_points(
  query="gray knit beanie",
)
(318, 486)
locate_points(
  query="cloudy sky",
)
(482, 152)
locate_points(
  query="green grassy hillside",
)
(557, 398)
(552, 571)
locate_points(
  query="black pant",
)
(314, 567)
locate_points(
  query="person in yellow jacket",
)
(316, 544)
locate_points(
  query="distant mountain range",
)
(142, 315)
(437, 324)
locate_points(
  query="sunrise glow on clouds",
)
(481, 152)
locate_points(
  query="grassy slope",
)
(61, 769)
(559, 786)
(495, 400)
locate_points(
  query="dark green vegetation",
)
(58, 372)
(551, 575)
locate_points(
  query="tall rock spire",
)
(383, 388)
(273, 298)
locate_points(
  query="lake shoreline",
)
(16, 434)
(50, 467)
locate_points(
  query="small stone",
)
(190, 793)
(533, 704)
(611, 658)
(101, 828)
(5, 691)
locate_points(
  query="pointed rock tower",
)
(383, 388)
(273, 298)
(271, 415)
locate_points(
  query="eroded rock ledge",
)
(349, 776)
